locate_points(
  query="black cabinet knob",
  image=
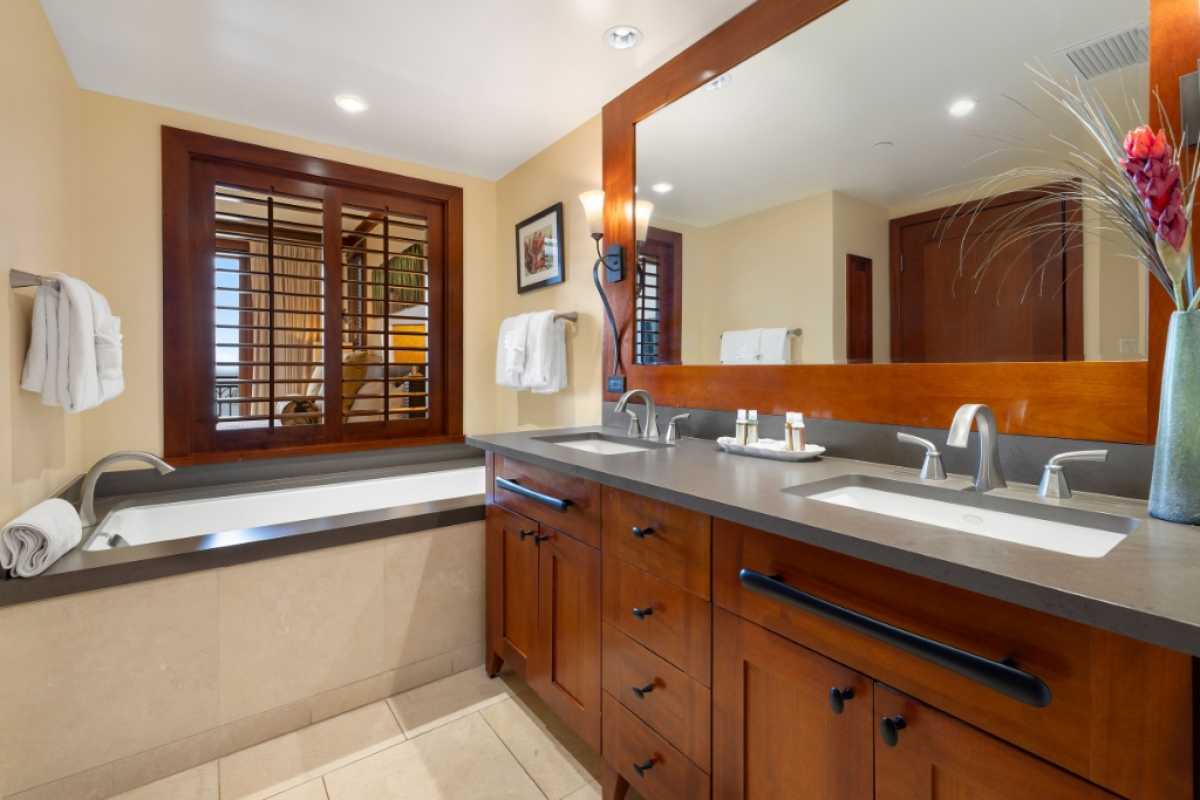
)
(641, 533)
(642, 691)
(642, 613)
(541, 537)
(838, 698)
(641, 768)
(889, 729)
(526, 534)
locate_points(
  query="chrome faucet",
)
(989, 475)
(650, 429)
(87, 506)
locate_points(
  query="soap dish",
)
(774, 449)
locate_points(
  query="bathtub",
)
(228, 518)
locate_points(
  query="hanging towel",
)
(39, 537)
(510, 351)
(74, 356)
(545, 354)
(741, 347)
(775, 346)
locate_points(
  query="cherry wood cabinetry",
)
(661, 772)
(578, 510)
(513, 575)
(787, 722)
(923, 754)
(670, 542)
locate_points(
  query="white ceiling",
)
(475, 86)
(802, 117)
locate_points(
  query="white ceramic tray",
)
(774, 449)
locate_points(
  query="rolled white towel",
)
(39, 537)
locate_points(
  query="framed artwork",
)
(540, 249)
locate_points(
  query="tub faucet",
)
(87, 506)
(989, 475)
(650, 429)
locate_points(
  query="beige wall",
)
(40, 447)
(122, 188)
(557, 174)
(861, 228)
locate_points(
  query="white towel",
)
(775, 346)
(43, 337)
(741, 347)
(74, 356)
(510, 351)
(39, 537)
(545, 354)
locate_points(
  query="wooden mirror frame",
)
(1115, 401)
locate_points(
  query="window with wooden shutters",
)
(308, 304)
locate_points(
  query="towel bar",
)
(19, 279)
(569, 316)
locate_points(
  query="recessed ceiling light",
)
(351, 103)
(622, 37)
(662, 188)
(961, 107)
(719, 82)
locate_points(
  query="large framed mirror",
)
(842, 219)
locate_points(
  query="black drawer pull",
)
(541, 537)
(1004, 678)
(510, 485)
(642, 691)
(641, 768)
(526, 534)
(642, 613)
(838, 698)
(889, 729)
(642, 533)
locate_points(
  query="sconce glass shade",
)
(641, 217)
(593, 209)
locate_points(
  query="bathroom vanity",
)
(717, 631)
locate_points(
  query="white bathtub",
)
(230, 516)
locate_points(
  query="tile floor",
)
(460, 738)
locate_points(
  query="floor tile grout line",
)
(324, 787)
(508, 749)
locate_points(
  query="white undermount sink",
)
(601, 443)
(1070, 531)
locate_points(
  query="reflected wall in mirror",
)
(809, 203)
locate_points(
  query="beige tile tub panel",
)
(85, 679)
(434, 592)
(296, 626)
(199, 783)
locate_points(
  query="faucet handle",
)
(672, 428)
(1054, 481)
(931, 468)
(635, 426)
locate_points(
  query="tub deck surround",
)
(84, 570)
(1146, 588)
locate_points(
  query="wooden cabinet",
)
(646, 761)
(543, 615)
(512, 574)
(778, 728)
(563, 502)
(935, 756)
(669, 542)
(564, 668)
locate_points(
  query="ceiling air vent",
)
(1113, 52)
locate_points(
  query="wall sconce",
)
(641, 218)
(614, 270)
(1189, 107)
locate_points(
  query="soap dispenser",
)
(741, 427)
(752, 427)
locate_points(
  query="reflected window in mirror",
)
(657, 306)
(806, 155)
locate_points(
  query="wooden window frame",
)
(184, 356)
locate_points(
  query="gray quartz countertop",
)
(1147, 587)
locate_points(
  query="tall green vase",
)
(1175, 488)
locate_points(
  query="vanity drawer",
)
(1119, 712)
(674, 705)
(666, 773)
(671, 542)
(671, 622)
(565, 503)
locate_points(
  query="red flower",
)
(1149, 161)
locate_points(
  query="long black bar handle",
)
(510, 485)
(1004, 678)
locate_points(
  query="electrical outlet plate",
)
(616, 383)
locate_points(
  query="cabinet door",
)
(778, 728)
(923, 753)
(564, 668)
(512, 588)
